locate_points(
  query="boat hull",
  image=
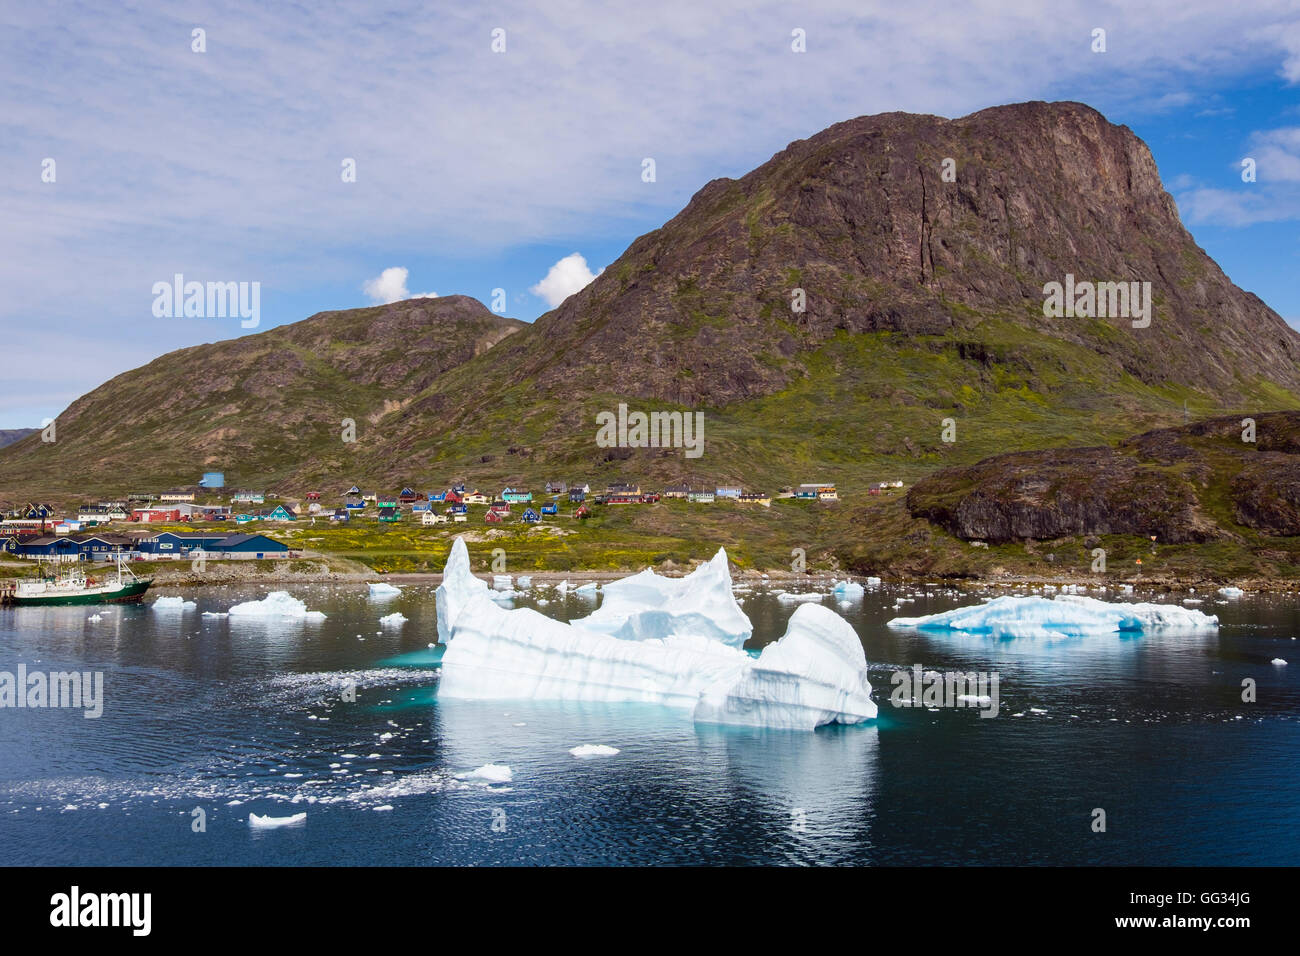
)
(130, 593)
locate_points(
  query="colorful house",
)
(516, 495)
(432, 517)
(551, 509)
(280, 513)
(727, 491)
(477, 498)
(530, 516)
(677, 491)
(494, 517)
(756, 498)
(556, 487)
(582, 512)
(500, 507)
(341, 514)
(389, 513)
(577, 497)
(254, 546)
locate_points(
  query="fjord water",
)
(235, 716)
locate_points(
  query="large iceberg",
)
(1067, 614)
(685, 655)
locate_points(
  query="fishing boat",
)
(72, 585)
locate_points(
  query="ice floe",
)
(396, 619)
(848, 590)
(1070, 615)
(593, 750)
(276, 604)
(383, 589)
(798, 597)
(1231, 592)
(674, 642)
(173, 604)
(255, 821)
(489, 773)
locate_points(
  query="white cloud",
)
(564, 278)
(390, 286)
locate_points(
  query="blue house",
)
(457, 509)
(530, 516)
(577, 497)
(419, 506)
(60, 548)
(101, 547)
(170, 543)
(551, 509)
(249, 546)
(437, 496)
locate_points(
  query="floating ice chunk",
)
(649, 606)
(396, 619)
(585, 588)
(797, 597)
(873, 582)
(382, 589)
(815, 674)
(1066, 615)
(173, 604)
(459, 586)
(502, 582)
(255, 821)
(489, 773)
(593, 750)
(1278, 662)
(94, 618)
(1231, 592)
(524, 582)
(276, 604)
(848, 590)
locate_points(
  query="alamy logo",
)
(213, 300)
(922, 688)
(1115, 300)
(74, 908)
(58, 689)
(651, 430)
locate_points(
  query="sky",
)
(342, 154)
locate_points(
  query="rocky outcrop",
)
(1161, 483)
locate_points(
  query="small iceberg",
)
(798, 597)
(382, 589)
(503, 582)
(593, 750)
(255, 821)
(489, 773)
(848, 590)
(524, 582)
(1065, 615)
(396, 619)
(1231, 592)
(173, 604)
(1278, 662)
(276, 604)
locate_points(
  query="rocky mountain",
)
(924, 298)
(919, 249)
(260, 407)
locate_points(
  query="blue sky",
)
(478, 170)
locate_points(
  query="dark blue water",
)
(236, 717)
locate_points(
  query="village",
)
(106, 529)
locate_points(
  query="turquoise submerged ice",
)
(1068, 614)
(674, 642)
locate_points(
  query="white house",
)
(433, 517)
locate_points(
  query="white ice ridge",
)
(684, 655)
(647, 605)
(1067, 614)
(276, 604)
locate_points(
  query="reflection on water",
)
(340, 718)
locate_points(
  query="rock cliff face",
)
(861, 218)
(1179, 484)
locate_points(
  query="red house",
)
(453, 498)
(493, 517)
(582, 512)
